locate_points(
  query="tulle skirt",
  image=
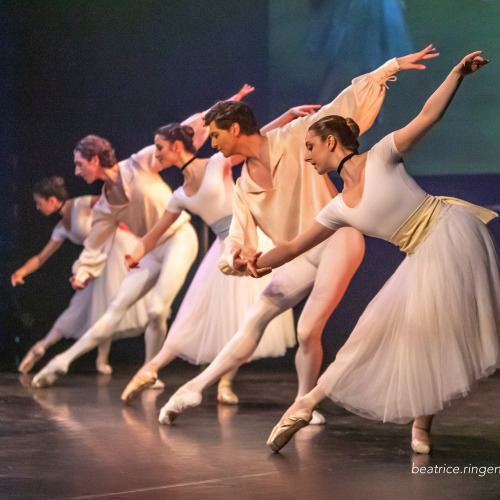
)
(213, 309)
(89, 304)
(431, 331)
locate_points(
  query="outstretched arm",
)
(261, 265)
(149, 241)
(437, 104)
(35, 262)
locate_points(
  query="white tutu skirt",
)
(213, 309)
(89, 304)
(431, 331)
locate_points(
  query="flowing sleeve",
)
(242, 234)
(361, 101)
(97, 245)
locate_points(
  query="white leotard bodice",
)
(81, 218)
(213, 200)
(389, 197)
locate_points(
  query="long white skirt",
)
(88, 305)
(213, 309)
(431, 331)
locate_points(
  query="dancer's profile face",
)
(87, 169)
(46, 205)
(317, 152)
(223, 140)
(165, 153)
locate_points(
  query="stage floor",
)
(77, 440)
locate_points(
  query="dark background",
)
(120, 69)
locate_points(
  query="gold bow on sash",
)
(409, 236)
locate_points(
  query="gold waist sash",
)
(409, 236)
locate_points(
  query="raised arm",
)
(35, 262)
(149, 241)
(437, 104)
(363, 99)
(314, 235)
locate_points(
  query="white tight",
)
(165, 269)
(325, 272)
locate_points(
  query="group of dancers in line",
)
(427, 336)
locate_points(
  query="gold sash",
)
(409, 236)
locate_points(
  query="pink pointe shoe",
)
(50, 374)
(181, 400)
(421, 440)
(139, 383)
(287, 427)
(32, 356)
(103, 368)
(225, 394)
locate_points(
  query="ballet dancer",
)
(217, 300)
(135, 194)
(278, 194)
(85, 307)
(433, 329)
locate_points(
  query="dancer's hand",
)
(131, 262)
(245, 90)
(239, 262)
(77, 285)
(17, 278)
(132, 259)
(471, 63)
(408, 62)
(253, 270)
(304, 110)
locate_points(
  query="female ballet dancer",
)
(219, 301)
(433, 329)
(279, 194)
(135, 194)
(87, 306)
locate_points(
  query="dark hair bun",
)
(188, 130)
(353, 126)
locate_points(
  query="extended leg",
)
(177, 256)
(137, 283)
(338, 261)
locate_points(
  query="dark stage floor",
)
(76, 440)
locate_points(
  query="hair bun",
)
(353, 126)
(57, 181)
(188, 130)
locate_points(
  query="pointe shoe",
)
(49, 374)
(287, 427)
(32, 356)
(226, 396)
(422, 443)
(103, 368)
(139, 383)
(181, 400)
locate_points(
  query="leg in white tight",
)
(284, 291)
(137, 283)
(178, 255)
(336, 265)
(326, 269)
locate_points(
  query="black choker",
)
(188, 162)
(341, 164)
(58, 211)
